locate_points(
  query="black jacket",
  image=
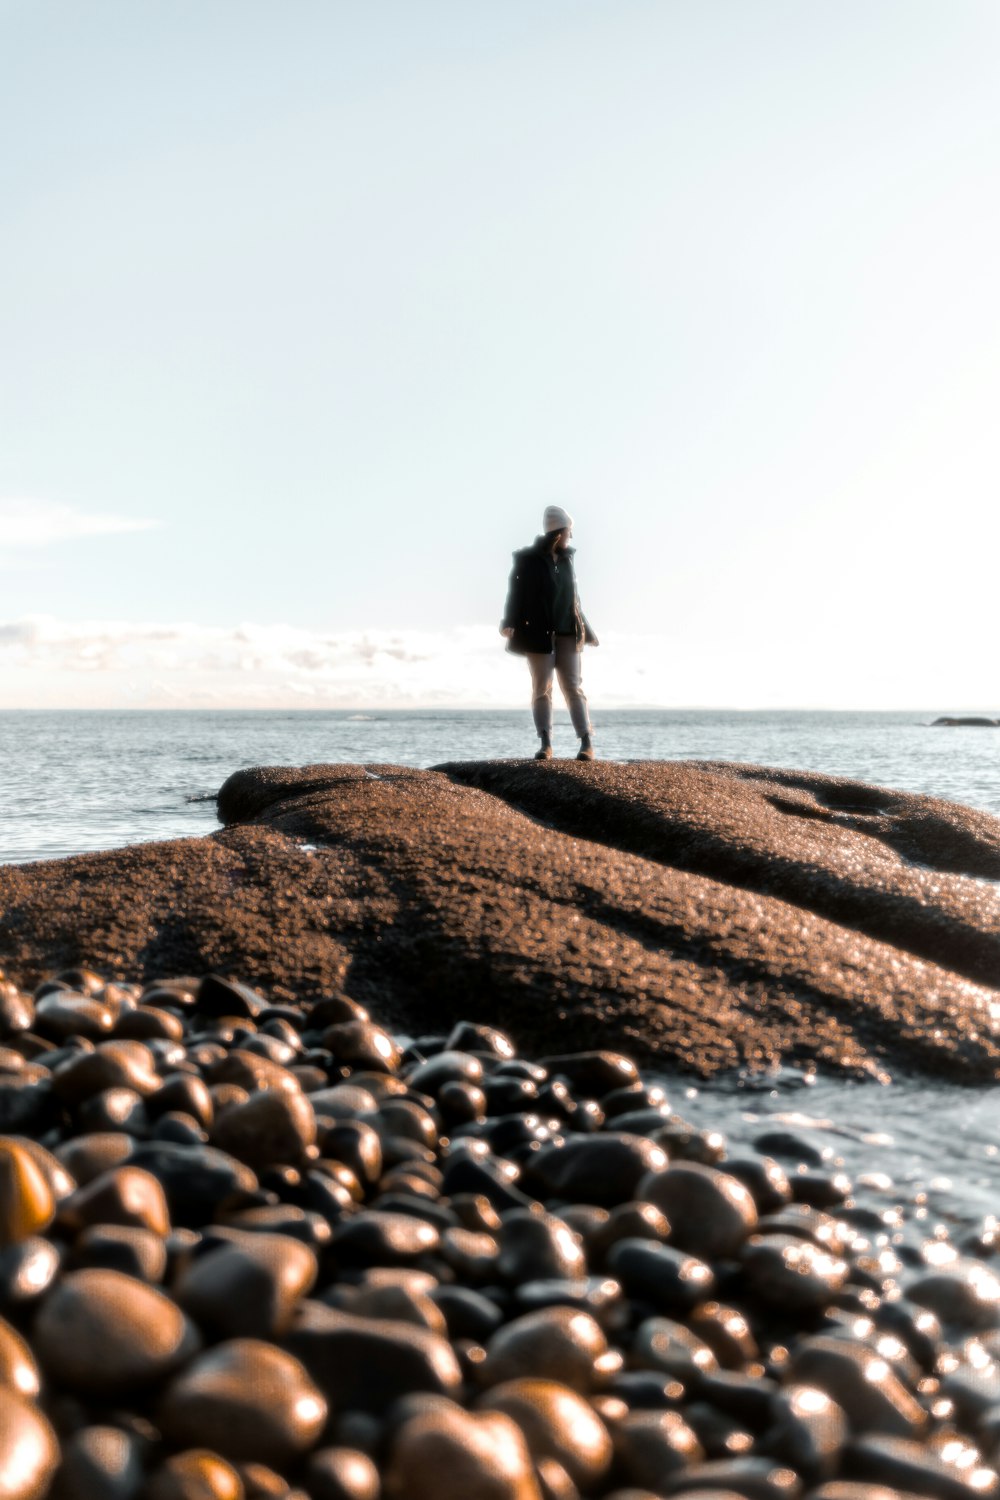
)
(530, 596)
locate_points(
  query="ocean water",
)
(72, 782)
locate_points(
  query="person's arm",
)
(510, 609)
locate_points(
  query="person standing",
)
(543, 621)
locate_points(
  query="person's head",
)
(557, 525)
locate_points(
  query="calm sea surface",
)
(73, 781)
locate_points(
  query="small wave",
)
(201, 797)
(361, 718)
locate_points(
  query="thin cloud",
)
(49, 662)
(42, 523)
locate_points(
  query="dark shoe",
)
(586, 750)
(545, 753)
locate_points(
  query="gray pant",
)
(565, 662)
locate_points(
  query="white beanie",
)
(556, 519)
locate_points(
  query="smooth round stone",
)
(27, 1270)
(782, 1271)
(18, 1371)
(111, 1065)
(196, 1474)
(402, 1304)
(766, 1179)
(101, 1332)
(250, 1287)
(272, 1126)
(451, 1454)
(671, 1349)
(16, 1011)
(219, 996)
(88, 1156)
(198, 1180)
(247, 1070)
(62, 1015)
(684, 1143)
(343, 1101)
(860, 1381)
(115, 1247)
(147, 1023)
(26, 1106)
(468, 1313)
(916, 1468)
(652, 1448)
(446, 1067)
(27, 1202)
(333, 1009)
(726, 1332)
(808, 1431)
(600, 1296)
(461, 1102)
(605, 1168)
(808, 1223)
(752, 1477)
(554, 1344)
(342, 1474)
(628, 1221)
(367, 1363)
(373, 1238)
(965, 1297)
(185, 1094)
(820, 1189)
(99, 1463)
(61, 1182)
(362, 1044)
(113, 1109)
(29, 1452)
(667, 1279)
(403, 1117)
(358, 1146)
(284, 1219)
(245, 1399)
(533, 1246)
(711, 1213)
(592, 1074)
(127, 1196)
(558, 1424)
(472, 1036)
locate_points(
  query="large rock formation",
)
(708, 915)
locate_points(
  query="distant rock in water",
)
(973, 720)
(706, 915)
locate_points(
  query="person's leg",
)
(569, 668)
(542, 666)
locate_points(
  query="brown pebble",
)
(556, 1343)
(102, 1332)
(99, 1463)
(271, 1127)
(446, 1453)
(342, 1474)
(27, 1203)
(558, 1424)
(248, 1400)
(196, 1474)
(125, 1196)
(111, 1065)
(87, 1156)
(18, 1370)
(711, 1213)
(29, 1451)
(249, 1287)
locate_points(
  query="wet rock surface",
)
(370, 1292)
(710, 916)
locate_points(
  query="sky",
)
(308, 309)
